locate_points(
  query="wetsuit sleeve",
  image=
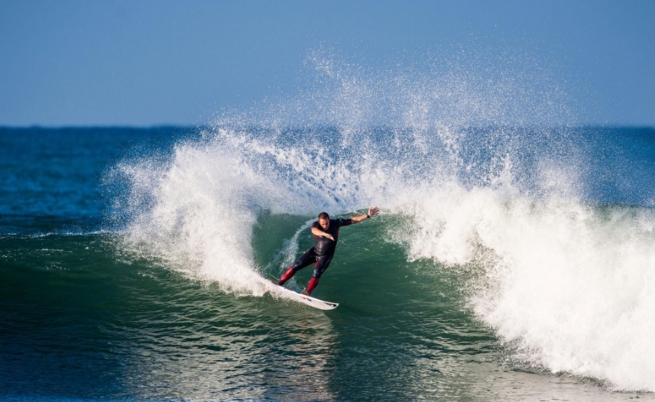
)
(345, 222)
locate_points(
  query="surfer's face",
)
(325, 223)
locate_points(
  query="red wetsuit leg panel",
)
(306, 259)
(322, 263)
(287, 275)
(311, 285)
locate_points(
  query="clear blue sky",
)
(143, 63)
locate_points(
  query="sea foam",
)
(568, 286)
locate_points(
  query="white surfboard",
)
(304, 299)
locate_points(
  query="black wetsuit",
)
(320, 255)
(323, 250)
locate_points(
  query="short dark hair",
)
(323, 215)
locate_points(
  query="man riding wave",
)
(326, 235)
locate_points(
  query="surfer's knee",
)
(321, 266)
(318, 272)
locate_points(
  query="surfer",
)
(326, 235)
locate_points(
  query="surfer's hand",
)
(329, 236)
(372, 211)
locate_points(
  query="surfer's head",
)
(324, 220)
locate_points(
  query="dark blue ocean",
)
(507, 263)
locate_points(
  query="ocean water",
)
(513, 257)
(507, 263)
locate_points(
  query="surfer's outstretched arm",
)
(372, 211)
